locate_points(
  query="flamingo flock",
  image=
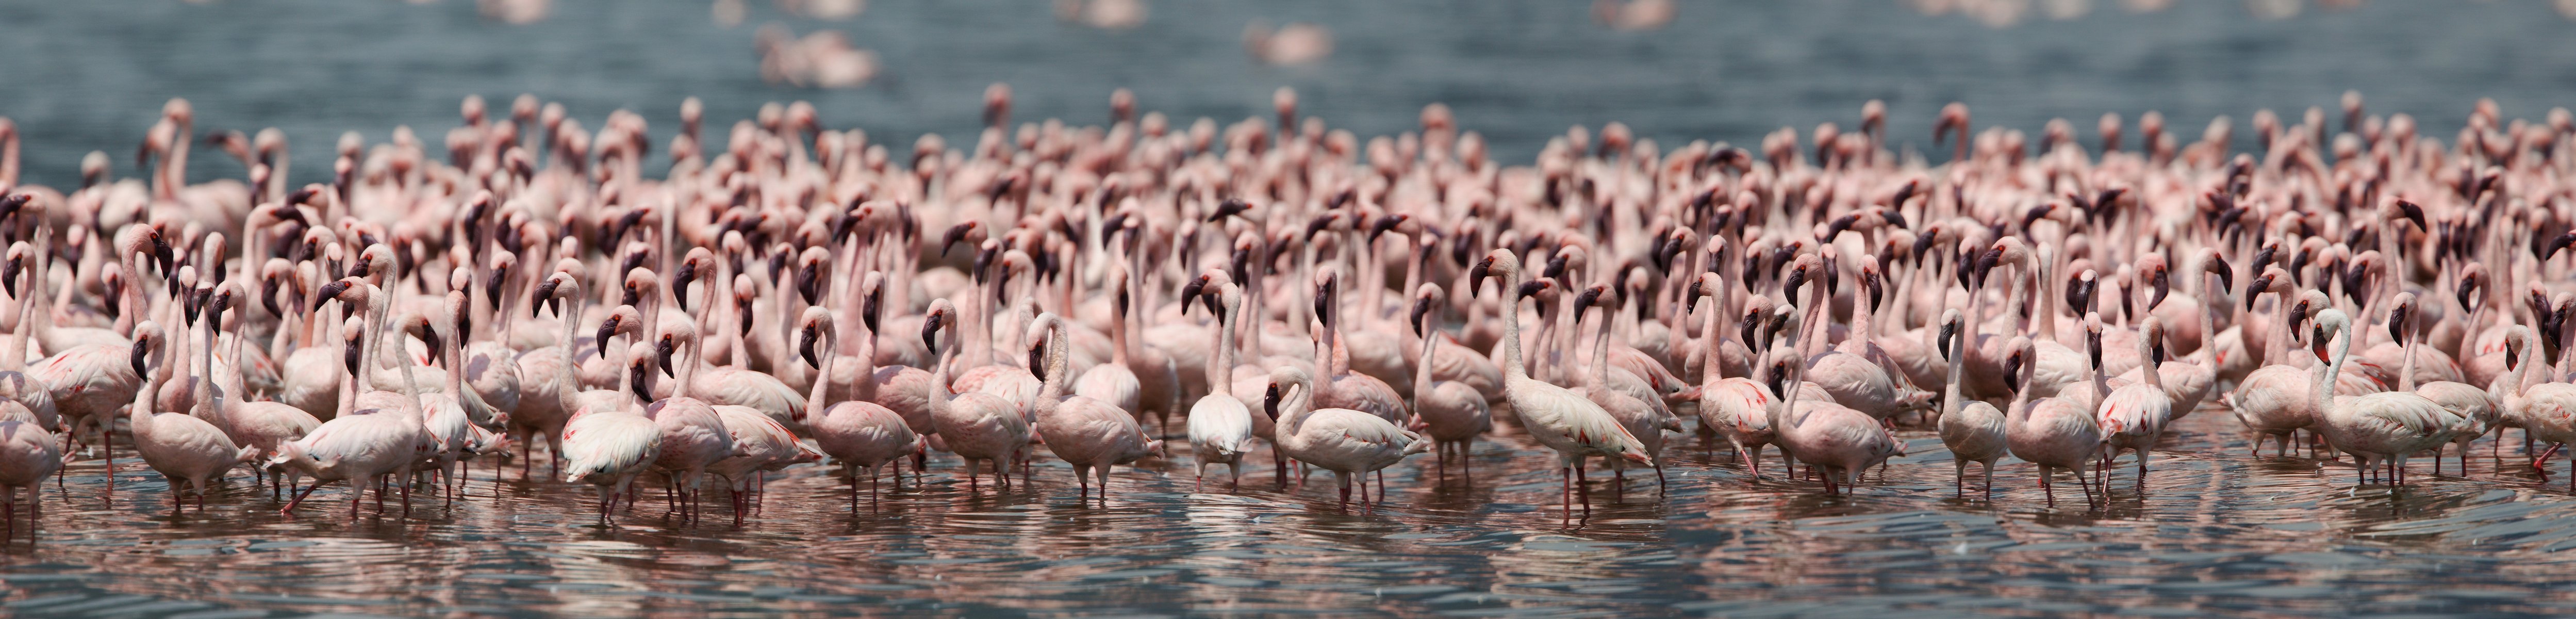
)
(1147, 292)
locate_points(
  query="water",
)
(2215, 532)
(83, 76)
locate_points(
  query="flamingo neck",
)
(823, 375)
(1511, 315)
(1714, 341)
(1220, 376)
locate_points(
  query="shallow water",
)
(2214, 532)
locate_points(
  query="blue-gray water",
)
(83, 76)
(2215, 533)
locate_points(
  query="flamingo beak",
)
(1270, 401)
(2012, 373)
(680, 282)
(805, 348)
(2226, 274)
(1949, 331)
(2163, 285)
(663, 352)
(142, 346)
(2257, 286)
(930, 331)
(607, 329)
(1420, 306)
(2317, 344)
(1797, 279)
(545, 293)
(1476, 275)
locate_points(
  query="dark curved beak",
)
(805, 349)
(1797, 279)
(141, 348)
(2262, 258)
(1949, 332)
(161, 252)
(437, 345)
(607, 328)
(1837, 227)
(2555, 244)
(492, 286)
(545, 293)
(349, 353)
(1586, 299)
(2034, 215)
(688, 274)
(1986, 262)
(2255, 287)
(268, 296)
(662, 351)
(1476, 275)
(636, 375)
(2413, 213)
(1192, 290)
(1744, 329)
(1037, 362)
(2317, 344)
(1878, 290)
(1420, 306)
(2012, 373)
(1325, 307)
(1531, 287)
(930, 333)
(1270, 401)
(809, 282)
(2226, 274)
(1697, 289)
(1555, 267)
(2467, 292)
(1230, 207)
(2093, 348)
(1923, 244)
(632, 296)
(955, 234)
(330, 291)
(1386, 223)
(870, 307)
(2156, 351)
(2162, 283)
(2397, 323)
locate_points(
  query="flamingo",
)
(1220, 426)
(693, 434)
(609, 444)
(2133, 416)
(1973, 430)
(1087, 433)
(977, 426)
(358, 448)
(1452, 413)
(28, 454)
(179, 446)
(2054, 433)
(1349, 443)
(2379, 427)
(856, 433)
(1557, 417)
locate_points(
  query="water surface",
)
(2214, 532)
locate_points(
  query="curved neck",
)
(1511, 315)
(689, 364)
(1053, 387)
(1220, 376)
(823, 373)
(2406, 368)
(2323, 387)
(1601, 352)
(1713, 338)
(565, 388)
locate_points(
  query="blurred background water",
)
(83, 76)
(2216, 533)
